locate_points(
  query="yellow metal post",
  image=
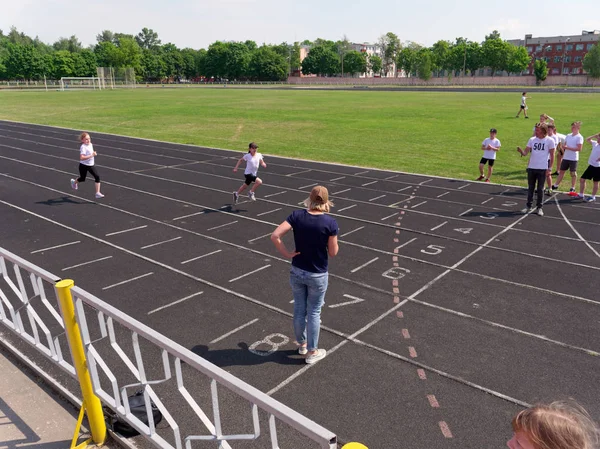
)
(354, 446)
(93, 406)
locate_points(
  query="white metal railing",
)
(122, 356)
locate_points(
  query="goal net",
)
(114, 77)
(89, 82)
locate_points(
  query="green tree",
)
(408, 57)
(153, 67)
(390, 47)
(495, 53)
(130, 52)
(440, 56)
(200, 59)
(24, 62)
(84, 63)
(105, 36)
(591, 62)
(238, 58)
(148, 39)
(321, 60)
(251, 45)
(355, 62)
(267, 65)
(375, 64)
(61, 64)
(14, 37)
(189, 63)
(171, 56)
(215, 60)
(540, 69)
(108, 54)
(518, 60)
(424, 64)
(71, 44)
(474, 59)
(342, 48)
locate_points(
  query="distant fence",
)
(124, 356)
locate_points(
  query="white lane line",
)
(200, 257)
(249, 273)
(361, 172)
(462, 187)
(364, 265)
(573, 228)
(391, 177)
(54, 247)
(406, 243)
(425, 182)
(274, 194)
(337, 179)
(466, 212)
(438, 226)
(354, 300)
(128, 280)
(126, 230)
(220, 226)
(86, 263)
(187, 216)
(160, 243)
(173, 303)
(308, 185)
(341, 191)
(299, 172)
(417, 205)
(389, 216)
(443, 194)
(346, 208)
(258, 238)
(369, 183)
(487, 201)
(404, 188)
(377, 197)
(234, 331)
(265, 213)
(350, 232)
(402, 201)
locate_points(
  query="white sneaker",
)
(526, 210)
(302, 350)
(312, 358)
(590, 199)
(539, 212)
(235, 197)
(251, 196)
(99, 195)
(74, 185)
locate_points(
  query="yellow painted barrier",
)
(354, 446)
(91, 403)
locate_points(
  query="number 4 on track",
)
(464, 230)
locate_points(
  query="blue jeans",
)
(309, 296)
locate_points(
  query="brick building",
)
(564, 54)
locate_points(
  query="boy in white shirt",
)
(572, 146)
(489, 146)
(541, 148)
(523, 108)
(253, 160)
(593, 170)
(552, 135)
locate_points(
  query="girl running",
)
(86, 164)
(253, 160)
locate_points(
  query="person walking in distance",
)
(87, 164)
(541, 148)
(490, 147)
(253, 160)
(315, 239)
(573, 145)
(523, 107)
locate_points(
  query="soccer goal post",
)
(79, 82)
(114, 77)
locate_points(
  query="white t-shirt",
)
(540, 152)
(572, 141)
(490, 154)
(87, 150)
(252, 163)
(523, 98)
(593, 161)
(556, 142)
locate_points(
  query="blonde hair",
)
(82, 135)
(543, 127)
(578, 124)
(559, 425)
(314, 205)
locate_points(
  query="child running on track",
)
(86, 164)
(490, 147)
(253, 160)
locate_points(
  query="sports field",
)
(437, 133)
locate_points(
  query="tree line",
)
(26, 58)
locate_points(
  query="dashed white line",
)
(54, 247)
(269, 212)
(404, 188)
(220, 226)
(200, 257)
(377, 197)
(160, 243)
(249, 273)
(364, 265)
(369, 183)
(273, 194)
(173, 303)
(346, 208)
(258, 238)
(466, 212)
(299, 172)
(361, 172)
(337, 179)
(187, 216)
(417, 205)
(443, 194)
(391, 177)
(350, 232)
(402, 201)
(234, 331)
(389, 216)
(406, 243)
(86, 263)
(128, 280)
(425, 182)
(308, 185)
(341, 191)
(462, 187)
(126, 230)
(354, 300)
(438, 226)
(487, 201)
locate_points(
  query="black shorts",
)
(489, 161)
(568, 165)
(522, 107)
(250, 178)
(592, 173)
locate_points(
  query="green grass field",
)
(438, 133)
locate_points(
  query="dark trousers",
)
(83, 171)
(536, 175)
